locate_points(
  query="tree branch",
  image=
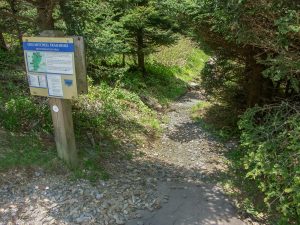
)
(5, 13)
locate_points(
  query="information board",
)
(50, 66)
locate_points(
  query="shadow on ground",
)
(183, 197)
(172, 194)
(189, 197)
(187, 132)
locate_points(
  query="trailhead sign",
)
(56, 68)
(50, 66)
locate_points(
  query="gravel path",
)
(195, 159)
(170, 184)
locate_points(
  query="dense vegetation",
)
(256, 70)
(125, 100)
(252, 78)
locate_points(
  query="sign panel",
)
(50, 65)
(60, 63)
(54, 85)
(37, 80)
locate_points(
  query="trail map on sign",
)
(36, 62)
(50, 57)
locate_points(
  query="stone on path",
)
(167, 186)
(190, 201)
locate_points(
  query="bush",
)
(221, 80)
(11, 60)
(21, 113)
(271, 142)
(113, 112)
(108, 73)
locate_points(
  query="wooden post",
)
(61, 111)
(80, 62)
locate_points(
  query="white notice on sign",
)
(54, 85)
(33, 80)
(59, 62)
(37, 80)
(43, 81)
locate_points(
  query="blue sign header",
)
(48, 46)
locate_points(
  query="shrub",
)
(108, 73)
(221, 79)
(10, 60)
(21, 113)
(271, 142)
(113, 111)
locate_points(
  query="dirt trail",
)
(191, 197)
(172, 183)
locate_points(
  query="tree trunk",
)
(2, 42)
(259, 89)
(45, 19)
(140, 51)
(254, 86)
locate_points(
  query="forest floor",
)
(175, 181)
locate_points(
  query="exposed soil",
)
(194, 160)
(174, 182)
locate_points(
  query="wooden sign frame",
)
(55, 66)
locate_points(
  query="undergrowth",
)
(270, 143)
(218, 119)
(24, 150)
(111, 120)
(263, 168)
